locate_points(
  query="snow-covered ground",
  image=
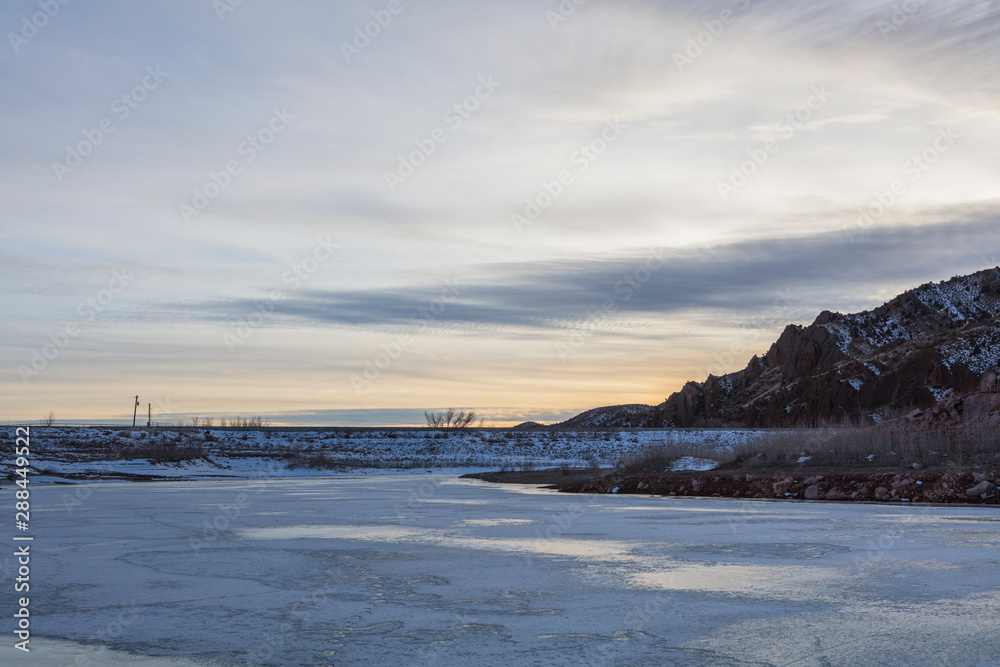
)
(428, 569)
(87, 452)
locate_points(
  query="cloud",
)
(728, 282)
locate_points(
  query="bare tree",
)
(451, 418)
(48, 419)
(463, 419)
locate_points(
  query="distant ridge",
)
(932, 353)
(621, 416)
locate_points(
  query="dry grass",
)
(161, 453)
(973, 443)
(255, 423)
(295, 458)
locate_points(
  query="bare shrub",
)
(318, 461)
(167, 452)
(451, 418)
(255, 422)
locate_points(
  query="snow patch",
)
(693, 463)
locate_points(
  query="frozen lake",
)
(435, 570)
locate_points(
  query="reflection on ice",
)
(624, 560)
(599, 549)
(46, 652)
(376, 533)
(726, 578)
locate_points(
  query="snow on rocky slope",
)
(935, 348)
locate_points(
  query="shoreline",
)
(967, 487)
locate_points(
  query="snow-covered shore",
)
(86, 454)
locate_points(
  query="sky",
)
(353, 212)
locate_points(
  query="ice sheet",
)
(430, 569)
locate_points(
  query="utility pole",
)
(149, 416)
(134, 409)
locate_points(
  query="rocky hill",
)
(612, 416)
(930, 353)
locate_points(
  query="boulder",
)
(813, 492)
(782, 486)
(836, 494)
(980, 489)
